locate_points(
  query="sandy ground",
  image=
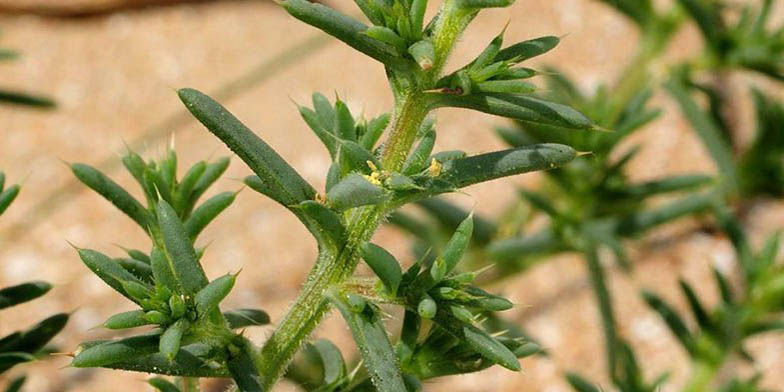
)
(114, 78)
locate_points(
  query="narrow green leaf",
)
(375, 128)
(243, 369)
(179, 251)
(169, 344)
(11, 359)
(580, 384)
(208, 298)
(161, 385)
(490, 348)
(344, 28)
(672, 319)
(211, 174)
(108, 270)
(327, 227)
(15, 295)
(7, 197)
(458, 243)
(25, 99)
(138, 268)
(130, 319)
(122, 350)
(36, 337)
(383, 264)
(371, 338)
(207, 212)
(112, 192)
(525, 50)
(485, 167)
(700, 314)
(326, 136)
(418, 159)
(708, 132)
(286, 186)
(485, 3)
(345, 122)
(162, 271)
(331, 360)
(241, 318)
(518, 107)
(16, 384)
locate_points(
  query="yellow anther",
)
(321, 199)
(372, 166)
(435, 168)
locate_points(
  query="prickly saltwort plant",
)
(17, 97)
(590, 202)
(442, 331)
(30, 344)
(719, 335)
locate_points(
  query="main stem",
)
(332, 268)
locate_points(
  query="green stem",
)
(604, 302)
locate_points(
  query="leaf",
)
(169, 343)
(36, 337)
(179, 251)
(515, 248)
(580, 384)
(344, 28)
(283, 183)
(210, 175)
(666, 185)
(355, 191)
(162, 385)
(116, 351)
(327, 226)
(208, 298)
(332, 361)
(383, 264)
(490, 348)
(16, 384)
(458, 243)
(25, 99)
(112, 192)
(518, 107)
(207, 212)
(243, 369)
(130, 319)
(450, 216)
(418, 159)
(700, 314)
(11, 359)
(187, 363)
(241, 318)
(674, 322)
(108, 270)
(638, 222)
(138, 268)
(371, 338)
(708, 132)
(485, 167)
(7, 197)
(15, 295)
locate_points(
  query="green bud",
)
(427, 307)
(423, 53)
(156, 317)
(211, 295)
(177, 306)
(506, 86)
(388, 36)
(462, 314)
(131, 319)
(170, 341)
(136, 290)
(355, 303)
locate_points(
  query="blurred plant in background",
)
(28, 345)
(17, 97)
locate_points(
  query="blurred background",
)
(113, 65)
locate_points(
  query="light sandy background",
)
(114, 78)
